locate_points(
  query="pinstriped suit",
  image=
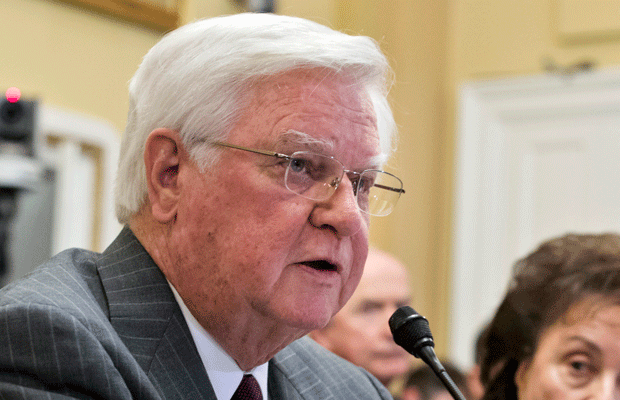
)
(88, 325)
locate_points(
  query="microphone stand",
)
(427, 354)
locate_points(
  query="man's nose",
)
(340, 212)
(385, 318)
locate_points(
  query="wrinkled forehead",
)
(292, 139)
(313, 110)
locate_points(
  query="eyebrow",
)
(321, 146)
(377, 162)
(301, 139)
(589, 344)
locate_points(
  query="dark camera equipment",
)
(19, 169)
(259, 6)
(17, 122)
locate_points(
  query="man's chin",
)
(306, 321)
(311, 324)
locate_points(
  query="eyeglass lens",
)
(317, 177)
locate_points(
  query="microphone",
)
(412, 332)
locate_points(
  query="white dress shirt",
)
(224, 373)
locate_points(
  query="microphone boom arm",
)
(427, 354)
(412, 332)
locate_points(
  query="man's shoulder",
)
(56, 337)
(315, 356)
(306, 362)
(309, 350)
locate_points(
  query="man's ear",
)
(161, 159)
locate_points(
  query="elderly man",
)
(360, 332)
(249, 169)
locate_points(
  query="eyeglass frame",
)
(337, 184)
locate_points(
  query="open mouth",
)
(321, 265)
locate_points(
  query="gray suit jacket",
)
(107, 326)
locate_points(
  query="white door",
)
(537, 158)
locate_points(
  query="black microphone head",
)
(410, 330)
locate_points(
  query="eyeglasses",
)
(316, 177)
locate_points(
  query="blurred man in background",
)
(360, 332)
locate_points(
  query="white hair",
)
(192, 81)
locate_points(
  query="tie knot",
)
(248, 389)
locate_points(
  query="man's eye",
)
(298, 165)
(370, 307)
(365, 184)
(314, 169)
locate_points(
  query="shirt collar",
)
(224, 373)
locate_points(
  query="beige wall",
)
(82, 62)
(434, 47)
(69, 58)
(413, 35)
(323, 11)
(490, 39)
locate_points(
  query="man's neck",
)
(248, 341)
(248, 337)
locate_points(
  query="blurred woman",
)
(556, 334)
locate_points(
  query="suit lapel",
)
(290, 378)
(177, 369)
(279, 385)
(144, 313)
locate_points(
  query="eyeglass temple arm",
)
(393, 189)
(263, 152)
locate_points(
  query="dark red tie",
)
(248, 389)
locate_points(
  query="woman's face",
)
(578, 357)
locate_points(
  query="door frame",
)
(486, 110)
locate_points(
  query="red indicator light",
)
(13, 94)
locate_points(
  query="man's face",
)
(360, 332)
(247, 248)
